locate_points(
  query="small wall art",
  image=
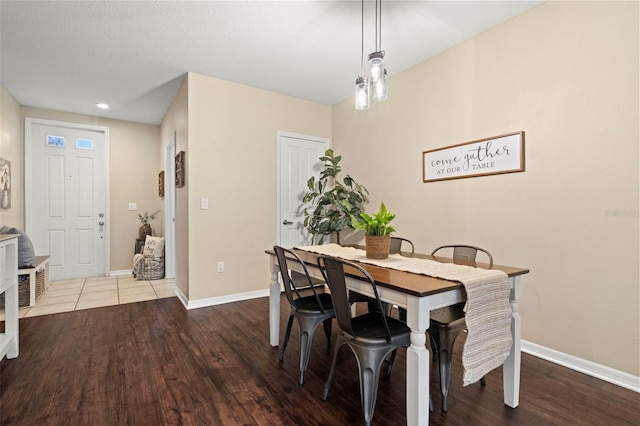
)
(180, 169)
(161, 184)
(5, 183)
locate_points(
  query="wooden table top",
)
(408, 282)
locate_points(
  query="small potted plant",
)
(377, 230)
(145, 229)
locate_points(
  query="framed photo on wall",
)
(161, 184)
(180, 169)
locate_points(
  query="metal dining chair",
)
(371, 336)
(310, 310)
(448, 322)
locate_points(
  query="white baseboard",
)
(212, 301)
(122, 272)
(599, 371)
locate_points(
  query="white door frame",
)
(170, 209)
(28, 122)
(281, 136)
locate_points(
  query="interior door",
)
(298, 160)
(66, 196)
(170, 209)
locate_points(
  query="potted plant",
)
(145, 229)
(377, 230)
(331, 203)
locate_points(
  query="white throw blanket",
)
(488, 310)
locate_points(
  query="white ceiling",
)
(134, 54)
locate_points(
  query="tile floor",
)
(87, 293)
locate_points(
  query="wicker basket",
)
(377, 246)
(151, 268)
(24, 289)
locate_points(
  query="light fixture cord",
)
(377, 46)
(380, 26)
(362, 39)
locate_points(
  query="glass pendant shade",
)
(380, 88)
(376, 60)
(362, 93)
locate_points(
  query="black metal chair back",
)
(396, 243)
(465, 252)
(334, 274)
(292, 287)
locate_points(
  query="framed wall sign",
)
(489, 156)
(180, 169)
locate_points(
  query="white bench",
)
(32, 282)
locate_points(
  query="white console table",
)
(9, 286)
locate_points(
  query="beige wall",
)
(567, 74)
(176, 121)
(133, 168)
(11, 149)
(231, 160)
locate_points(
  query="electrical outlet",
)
(220, 266)
(133, 206)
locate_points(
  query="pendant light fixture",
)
(362, 83)
(376, 82)
(380, 87)
(377, 73)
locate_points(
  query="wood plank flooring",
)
(154, 363)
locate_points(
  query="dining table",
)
(419, 294)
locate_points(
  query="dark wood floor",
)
(154, 363)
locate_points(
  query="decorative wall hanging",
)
(180, 169)
(5, 183)
(489, 156)
(161, 184)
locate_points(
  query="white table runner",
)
(488, 310)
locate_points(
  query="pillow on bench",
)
(153, 247)
(26, 254)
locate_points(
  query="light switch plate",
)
(133, 206)
(204, 203)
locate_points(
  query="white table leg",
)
(418, 361)
(11, 320)
(511, 367)
(274, 304)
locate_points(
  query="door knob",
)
(286, 222)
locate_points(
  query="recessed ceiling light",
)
(102, 105)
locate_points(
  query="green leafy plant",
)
(378, 224)
(329, 203)
(147, 217)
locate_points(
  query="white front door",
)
(298, 160)
(66, 196)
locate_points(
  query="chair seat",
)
(451, 317)
(308, 304)
(369, 328)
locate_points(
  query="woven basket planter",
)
(377, 246)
